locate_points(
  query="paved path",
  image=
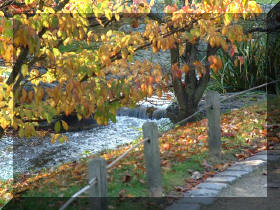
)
(241, 186)
(252, 185)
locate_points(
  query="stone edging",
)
(205, 193)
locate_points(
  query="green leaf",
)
(21, 133)
(112, 117)
(57, 127)
(28, 1)
(24, 69)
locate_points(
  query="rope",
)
(245, 91)
(92, 182)
(184, 121)
(126, 153)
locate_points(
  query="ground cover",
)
(184, 160)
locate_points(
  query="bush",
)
(246, 69)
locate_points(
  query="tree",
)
(45, 77)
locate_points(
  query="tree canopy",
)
(42, 76)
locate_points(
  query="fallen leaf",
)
(141, 181)
(179, 188)
(126, 178)
(206, 165)
(121, 194)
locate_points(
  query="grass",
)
(183, 151)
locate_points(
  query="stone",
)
(223, 179)
(198, 200)
(211, 186)
(181, 206)
(262, 153)
(203, 193)
(237, 174)
(258, 157)
(252, 163)
(237, 167)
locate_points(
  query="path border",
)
(208, 191)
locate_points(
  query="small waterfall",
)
(143, 112)
(152, 108)
(138, 112)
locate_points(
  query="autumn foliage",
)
(98, 80)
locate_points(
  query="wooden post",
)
(98, 191)
(152, 159)
(214, 123)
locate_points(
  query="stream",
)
(30, 155)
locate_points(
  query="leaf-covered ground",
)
(184, 159)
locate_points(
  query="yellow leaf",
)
(65, 125)
(117, 16)
(108, 14)
(150, 90)
(54, 138)
(181, 50)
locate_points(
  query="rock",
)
(196, 175)
(77, 125)
(73, 122)
(203, 193)
(223, 179)
(211, 186)
(172, 112)
(238, 174)
(1, 131)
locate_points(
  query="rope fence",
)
(97, 167)
(126, 153)
(184, 121)
(86, 188)
(93, 181)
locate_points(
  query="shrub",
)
(245, 69)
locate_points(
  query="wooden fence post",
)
(152, 159)
(214, 123)
(98, 191)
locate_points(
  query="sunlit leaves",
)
(215, 63)
(88, 71)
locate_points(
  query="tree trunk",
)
(188, 92)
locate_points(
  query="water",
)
(6, 157)
(36, 153)
(152, 108)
